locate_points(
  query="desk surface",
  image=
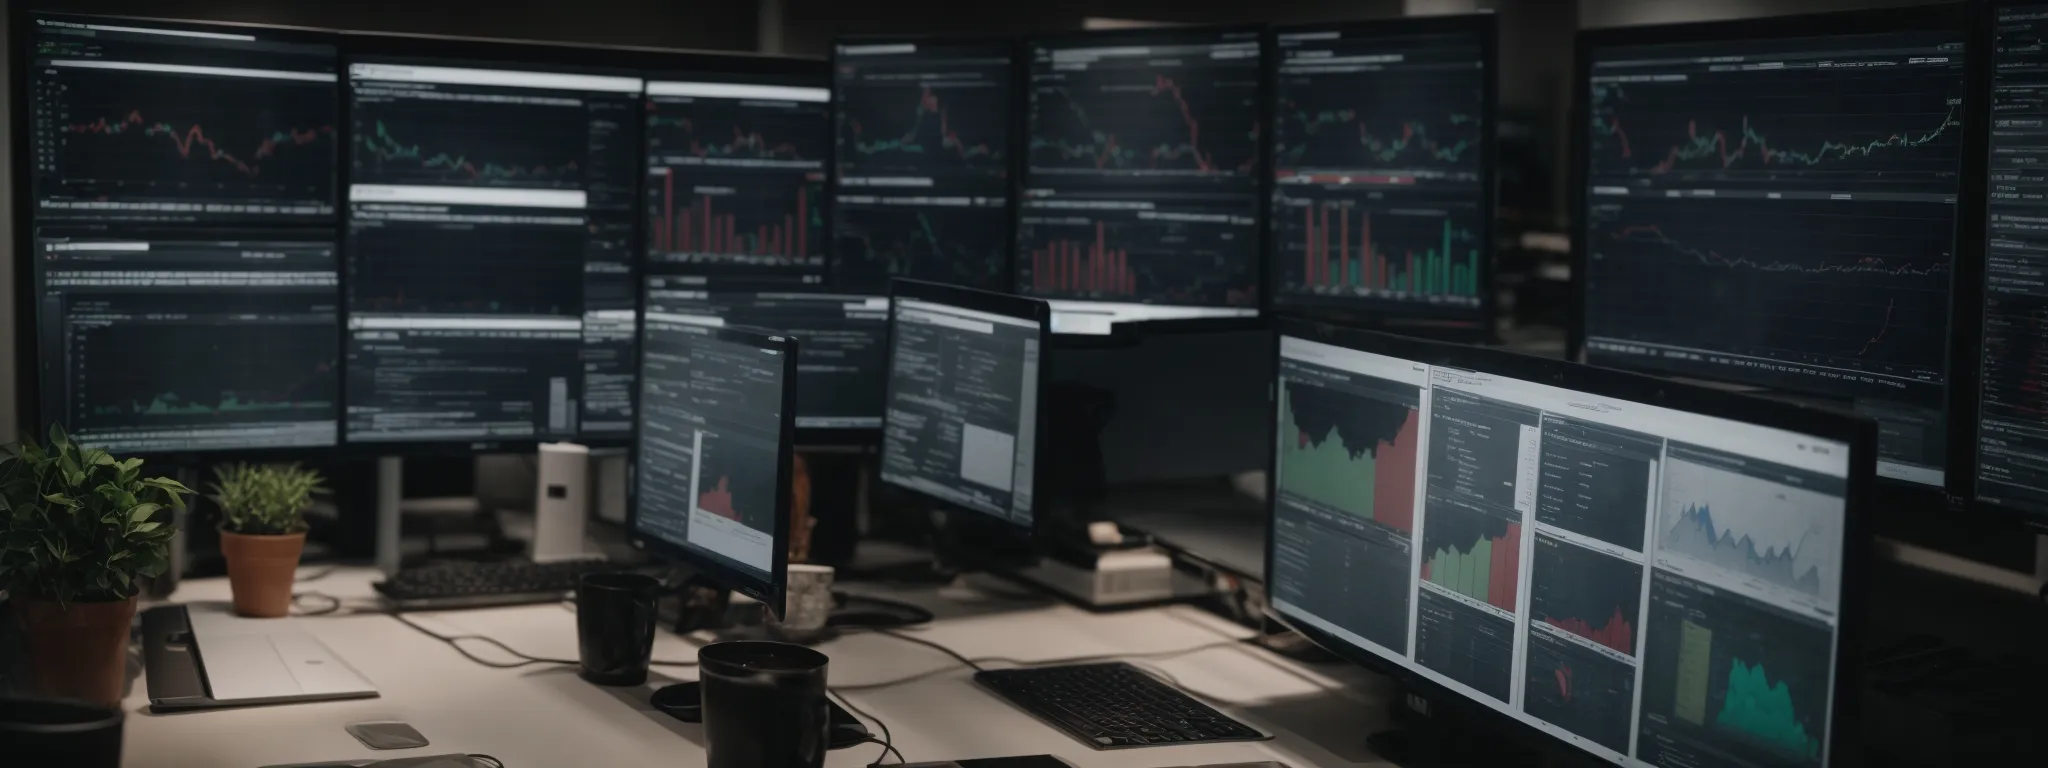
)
(544, 715)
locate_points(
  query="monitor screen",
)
(1653, 586)
(842, 343)
(154, 340)
(490, 252)
(2012, 445)
(1380, 197)
(1142, 177)
(707, 480)
(735, 168)
(146, 121)
(923, 155)
(1781, 213)
(961, 416)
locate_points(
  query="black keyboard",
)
(1114, 705)
(474, 585)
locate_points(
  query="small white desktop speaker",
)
(561, 502)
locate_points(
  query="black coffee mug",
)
(68, 733)
(764, 705)
(615, 626)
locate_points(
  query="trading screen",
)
(1654, 587)
(172, 124)
(490, 253)
(842, 343)
(923, 149)
(962, 407)
(2012, 445)
(1379, 195)
(162, 341)
(710, 443)
(1782, 213)
(735, 172)
(1142, 177)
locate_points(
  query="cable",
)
(1032, 663)
(454, 641)
(929, 644)
(887, 741)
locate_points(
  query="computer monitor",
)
(1382, 173)
(711, 455)
(1653, 573)
(1773, 203)
(179, 240)
(2010, 441)
(921, 177)
(736, 176)
(963, 415)
(1141, 179)
(842, 349)
(489, 248)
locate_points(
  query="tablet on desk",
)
(202, 655)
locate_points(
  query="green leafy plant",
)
(76, 524)
(265, 499)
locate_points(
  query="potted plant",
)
(78, 529)
(263, 531)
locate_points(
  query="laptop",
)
(201, 655)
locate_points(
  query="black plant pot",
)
(67, 733)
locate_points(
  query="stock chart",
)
(961, 245)
(1856, 287)
(923, 128)
(1426, 121)
(1128, 116)
(1167, 258)
(521, 137)
(467, 268)
(740, 133)
(1413, 252)
(754, 223)
(1896, 127)
(124, 144)
(208, 371)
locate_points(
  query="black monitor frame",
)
(1127, 330)
(1486, 27)
(1001, 541)
(771, 591)
(1858, 433)
(1913, 511)
(27, 354)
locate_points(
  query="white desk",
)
(544, 716)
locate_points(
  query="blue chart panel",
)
(1751, 527)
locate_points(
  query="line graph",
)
(947, 244)
(1119, 122)
(1811, 282)
(207, 370)
(1751, 528)
(720, 130)
(1346, 138)
(1846, 125)
(244, 146)
(386, 149)
(195, 136)
(931, 135)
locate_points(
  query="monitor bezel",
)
(1904, 502)
(1972, 296)
(1261, 182)
(1858, 433)
(29, 418)
(1486, 27)
(1015, 125)
(1005, 542)
(770, 591)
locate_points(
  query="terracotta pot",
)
(78, 650)
(260, 571)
